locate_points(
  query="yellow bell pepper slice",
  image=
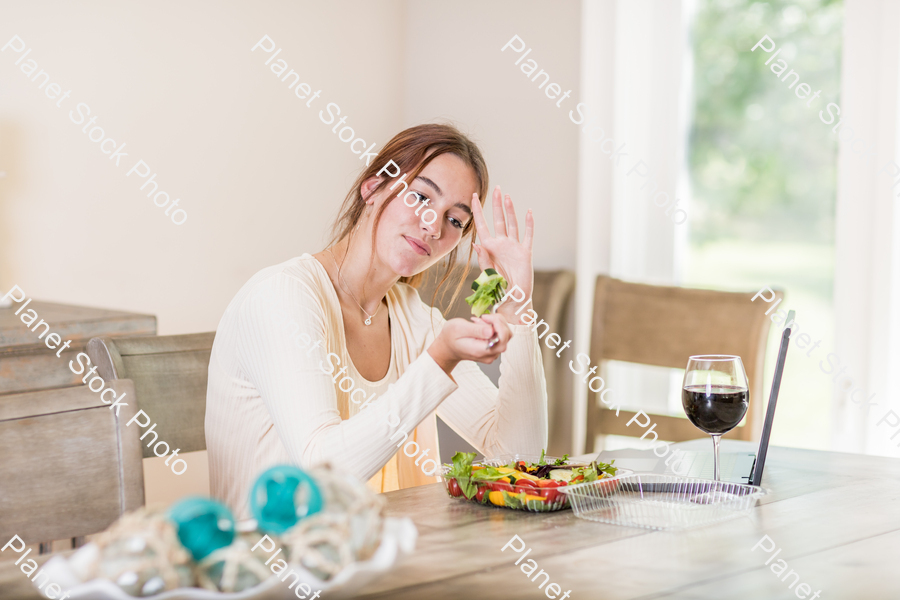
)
(517, 473)
(537, 498)
(496, 498)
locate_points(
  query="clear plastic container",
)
(516, 497)
(661, 501)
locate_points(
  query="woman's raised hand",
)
(503, 251)
(468, 340)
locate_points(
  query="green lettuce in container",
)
(489, 288)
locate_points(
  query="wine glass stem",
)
(715, 439)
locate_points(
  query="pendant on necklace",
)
(369, 321)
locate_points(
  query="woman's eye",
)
(453, 220)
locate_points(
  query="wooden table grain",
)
(832, 515)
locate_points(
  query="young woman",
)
(334, 357)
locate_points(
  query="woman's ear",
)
(368, 187)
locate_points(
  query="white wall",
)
(455, 71)
(259, 174)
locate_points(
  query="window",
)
(763, 179)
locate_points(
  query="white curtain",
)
(867, 257)
(633, 83)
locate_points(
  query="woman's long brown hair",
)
(412, 149)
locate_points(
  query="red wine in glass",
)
(716, 409)
(715, 397)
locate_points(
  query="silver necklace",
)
(347, 288)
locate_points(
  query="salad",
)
(519, 483)
(489, 289)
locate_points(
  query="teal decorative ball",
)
(203, 525)
(282, 496)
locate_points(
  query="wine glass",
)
(715, 396)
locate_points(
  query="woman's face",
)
(409, 243)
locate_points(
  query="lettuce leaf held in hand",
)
(489, 289)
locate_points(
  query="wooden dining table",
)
(830, 517)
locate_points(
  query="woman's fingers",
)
(470, 337)
(499, 217)
(512, 224)
(505, 221)
(473, 349)
(500, 326)
(476, 329)
(529, 230)
(481, 226)
(484, 259)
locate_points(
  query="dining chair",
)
(663, 326)
(170, 375)
(70, 465)
(551, 298)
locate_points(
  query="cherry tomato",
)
(499, 486)
(526, 482)
(550, 494)
(550, 483)
(454, 488)
(482, 490)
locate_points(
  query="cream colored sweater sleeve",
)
(300, 396)
(508, 420)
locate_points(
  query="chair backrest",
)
(70, 466)
(663, 326)
(170, 375)
(550, 300)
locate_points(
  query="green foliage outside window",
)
(762, 164)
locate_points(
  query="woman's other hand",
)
(468, 340)
(503, 251)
